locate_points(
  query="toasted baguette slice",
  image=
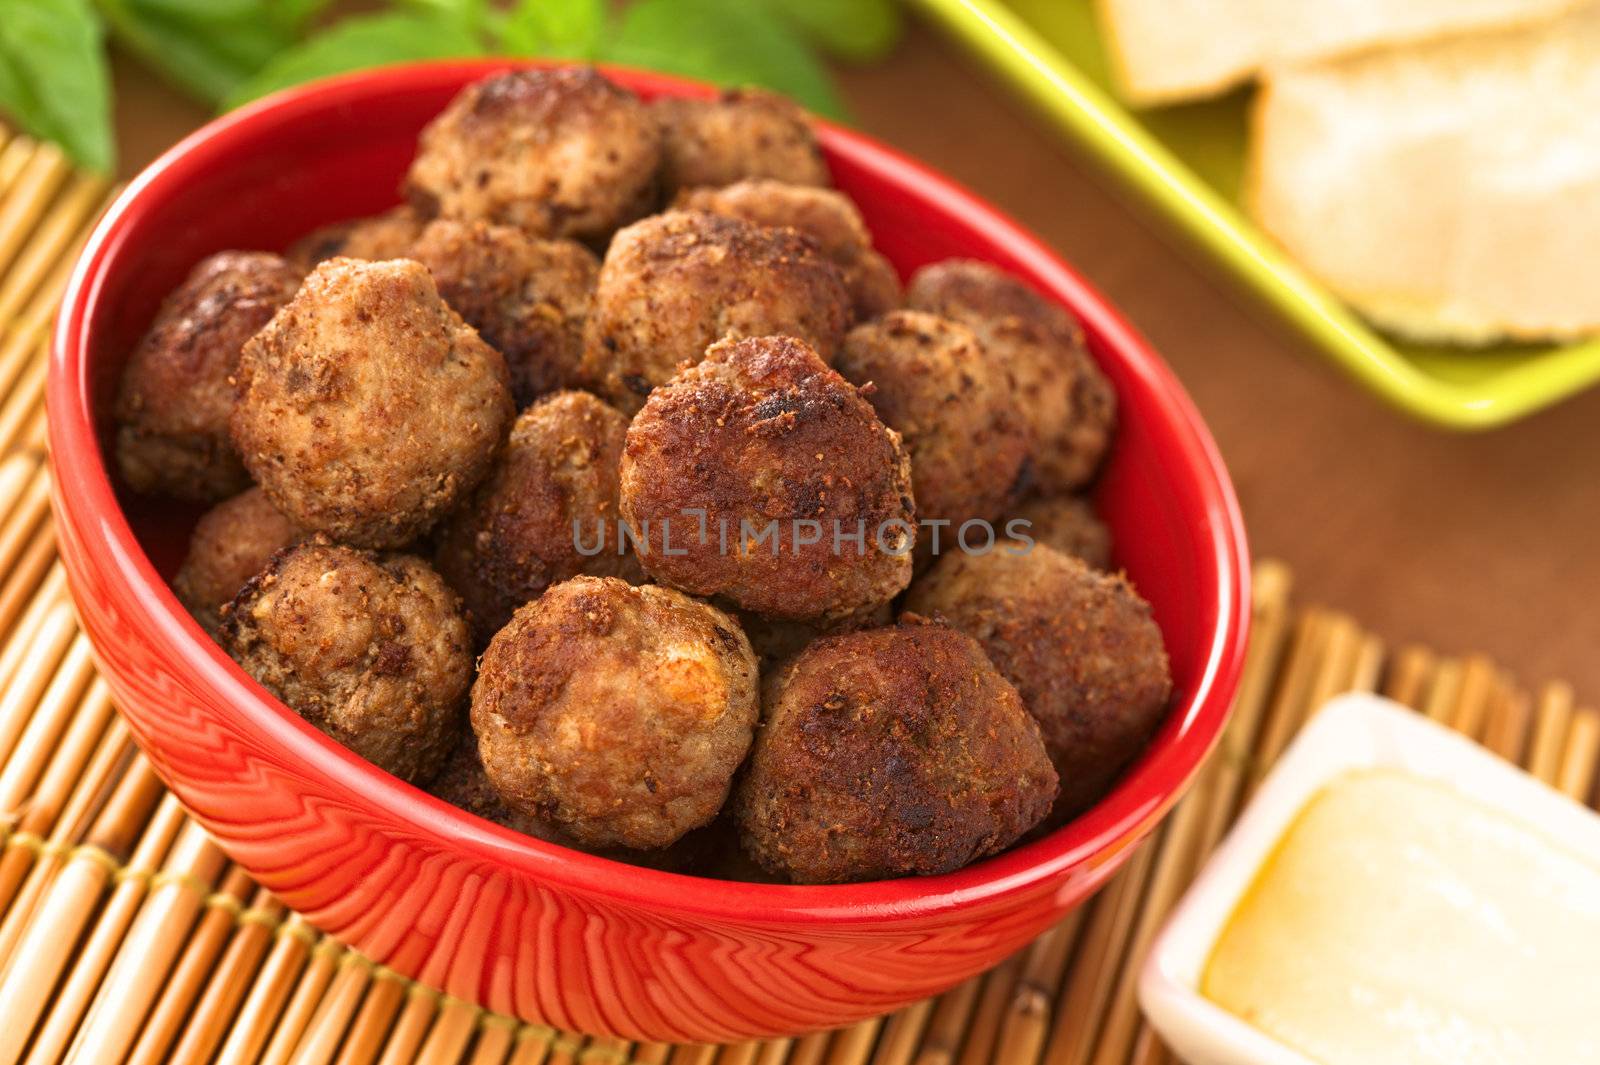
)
(1171, 50)
(1449, 192)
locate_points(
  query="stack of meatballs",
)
(437, 442)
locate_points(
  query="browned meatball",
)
(676, 283)
(232, 542)
(383, 236)
(367, 407)
(177, 393)
(953, 405)
(527, 297)
(743, 133)
(1080, 646)
(826, 216)
(1068, 402)
(1070, 525)
(371, 649)
(620, 712)
(559, 152)
(785, 459)
(463, 784)
(547, 511)
(887, 753)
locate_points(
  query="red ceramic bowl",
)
(485, 914)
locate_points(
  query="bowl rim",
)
(84, 491)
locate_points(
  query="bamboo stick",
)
(901, 1033)
(26, 199)
(412, 1027)
(31, 572)
(947, 1020)
(449, 1034)
(532, 1047)
(318, 973)
(69, 909)
(24, 629)
(1409, 676)
(54, 787)
(372, 1024)
(42, 730)
(230, 982)
(327, 1026)
(33, 676)
(983, 1028)
(1550, 731)
(1072, 1039)
(1027, 1022)
(52, 241)
(269, 993)
(19, 408)
(152, 946)
(194, 966)
(853, 1045)
(705, 1054)
(1576, 769)
(807, 1050)
(1291, 698)
(495, 1039)
(13, 159)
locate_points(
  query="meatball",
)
(676, 283)
(952, 404)
(1070, 525)
(367, 407)
(559, 152)
(1068, 403)
(620, 712)
(527, 297)
(746, 474)
(887, 753)
(383, 236)
(827, 217)
(177, 391)
(232, 542)
(744, 133)
(371, 649)
(548, 511)
(463, 784)
(1080, 646)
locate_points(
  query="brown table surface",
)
(1486, 542)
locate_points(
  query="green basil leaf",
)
(53, 78)
(730, 42)
(207, 49)
(361, 42)
(857, 30)
(572, 29)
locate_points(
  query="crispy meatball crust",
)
(1070, 525)
(371, 649)
(891, 752)
(952, 404)
(177, 391)
(764, 433)
(620, 712)
(382, 236)
(527, 297)
(367, 407)
(463, 784)
(826, 216)
(775, 640)
(1070, 406)
(676, 283)
(558, 152)
(515, 537)
(1080, 646)
(744, 133)
(232, 542)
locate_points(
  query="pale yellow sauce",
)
(1399, 922)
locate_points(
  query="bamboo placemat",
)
(126, 936)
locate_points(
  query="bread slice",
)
(1171, 50)
(1450, 192)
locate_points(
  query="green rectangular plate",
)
(1187, 163)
